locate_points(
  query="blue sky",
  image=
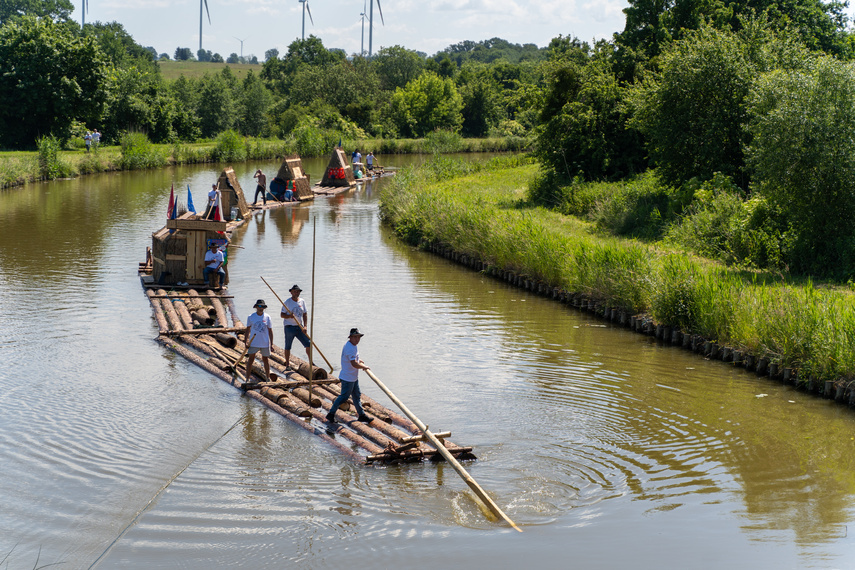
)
(414, 24)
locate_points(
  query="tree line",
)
(57, 79)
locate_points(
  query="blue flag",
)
(190, 206)
(339, 143)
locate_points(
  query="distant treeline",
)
(725, 125)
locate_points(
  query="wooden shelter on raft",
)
(231, 195)
(291, 176)
(177, 253)
(338, 173)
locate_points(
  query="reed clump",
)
(481, 210)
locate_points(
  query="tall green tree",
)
(49, 77)
(396, 66)
(693, 113)
(427, 103)
(216, 106)
(803, 159)
(58, 10)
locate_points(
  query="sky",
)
(414, 24)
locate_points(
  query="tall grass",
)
(51, 166)
(138, 153)
(481, 210)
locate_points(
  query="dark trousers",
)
(263, 192)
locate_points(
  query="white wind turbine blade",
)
(309, 10)
(381, 13)
(208, 11)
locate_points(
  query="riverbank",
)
(480, 214)
(136, 153)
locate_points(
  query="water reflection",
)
(639, 418)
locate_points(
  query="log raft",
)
(183, 319)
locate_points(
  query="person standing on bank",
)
(295, 314)
(259, 338)
(350, 367)
(262, 187)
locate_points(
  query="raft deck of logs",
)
(195, 325)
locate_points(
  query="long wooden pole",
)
(312, 317)
(440, 447)
(299, 325)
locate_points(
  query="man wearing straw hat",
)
(259, 338)
(350, 367)
(296, 316)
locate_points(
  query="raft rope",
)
(162, 489)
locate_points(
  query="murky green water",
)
(609, 450)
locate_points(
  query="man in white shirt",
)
(213, 202)
(214, 272)
(295, 317)
(350, 367)
(259, 338)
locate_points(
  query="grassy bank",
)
(136, 153)
(482, 211)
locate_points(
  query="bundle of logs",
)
(195, 326)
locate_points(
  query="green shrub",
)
(51, 166)
(721, 224)
(230, 147)
(443, 141)
(139, 153)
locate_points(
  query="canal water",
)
(608, 449)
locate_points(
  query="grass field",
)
(172, 70)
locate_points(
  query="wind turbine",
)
(305, 4)
(362, 17)
(241, 45)
(201, 4)
(83, 9)
(371, 23)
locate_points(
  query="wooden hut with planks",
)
(291, 176)
(231, 195)
(338, 177)
(177, 253)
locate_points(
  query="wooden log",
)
(202, 317)
(421, 437)
(195, 359)
(219, 363)
(375, 405)
(158, 312)
(286, 384)
(300, 365)
(385, 423)
(218, 307)
(226, 340)
(285, 400)
(303, 395)
(198, 332)
(183, 314)
(416, 454)
(171, 316)
(320, 432)
(233, 310)
(177, 295)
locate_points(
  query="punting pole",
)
(312, 318)
(301, 326)
(440, 447)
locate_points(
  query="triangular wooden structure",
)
(231, 194)
(338, 173)
(292, 176)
